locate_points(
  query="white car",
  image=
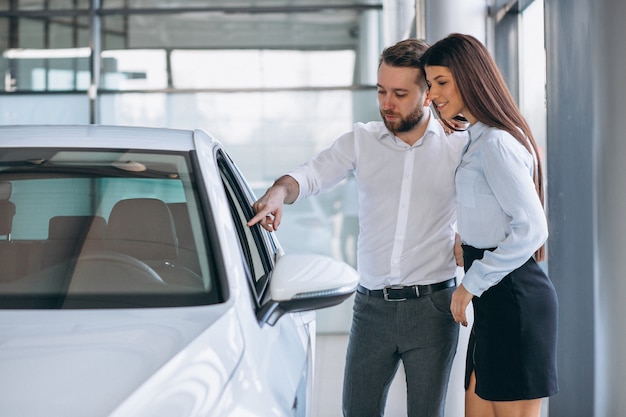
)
(131, 286)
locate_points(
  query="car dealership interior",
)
(277, 81)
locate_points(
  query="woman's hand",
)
(458, 250)
(460, 299)
(455, 124)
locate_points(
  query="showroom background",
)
(274, 80)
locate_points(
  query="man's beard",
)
(405, 124)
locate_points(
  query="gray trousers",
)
(419, 332)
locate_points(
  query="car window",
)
(95, 229)
(257, 247)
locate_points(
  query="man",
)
(404, 168)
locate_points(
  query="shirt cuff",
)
(474, 284)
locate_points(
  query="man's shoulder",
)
(368, 132)
(376, 128)
(457, 141)
(459, 137)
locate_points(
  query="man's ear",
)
(427, 99)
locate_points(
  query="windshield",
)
(101, 229)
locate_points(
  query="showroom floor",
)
(330, 360)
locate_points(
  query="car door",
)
(284, 350)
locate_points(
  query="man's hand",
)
(269, 208)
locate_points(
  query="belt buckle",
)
(392, 287)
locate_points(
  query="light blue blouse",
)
(497, 205)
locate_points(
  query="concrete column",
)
(369, 47)
(586, 97)
(364, 104)
(447, 16)
(96, 49)
(605, 65)
(398, 18)
(571, 201)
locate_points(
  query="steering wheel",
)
(108, 265)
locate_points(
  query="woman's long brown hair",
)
(485, 94)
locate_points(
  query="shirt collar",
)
(433, 127)
(476, 130)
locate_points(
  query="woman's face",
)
(445, 94)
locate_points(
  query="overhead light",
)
(20, 53)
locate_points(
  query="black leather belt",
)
(401, 293)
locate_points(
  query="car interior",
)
(78, 231)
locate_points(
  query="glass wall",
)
(275, 81)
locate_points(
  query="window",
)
(258, 248)
(95, 229)
(142, 46)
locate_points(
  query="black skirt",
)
(512, 346)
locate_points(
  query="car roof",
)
(99, 136)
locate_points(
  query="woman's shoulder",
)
(500, 137)
(500, 143)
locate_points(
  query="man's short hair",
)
(407, 54)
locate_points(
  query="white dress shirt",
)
(406, 200)
(497, 206)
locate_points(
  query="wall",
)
(587, 199)
(605, 65)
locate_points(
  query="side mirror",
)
(302, 282)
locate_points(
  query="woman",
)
(511, 359)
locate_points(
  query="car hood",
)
(93, 362)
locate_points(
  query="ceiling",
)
(215, 24)
(287, 24)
